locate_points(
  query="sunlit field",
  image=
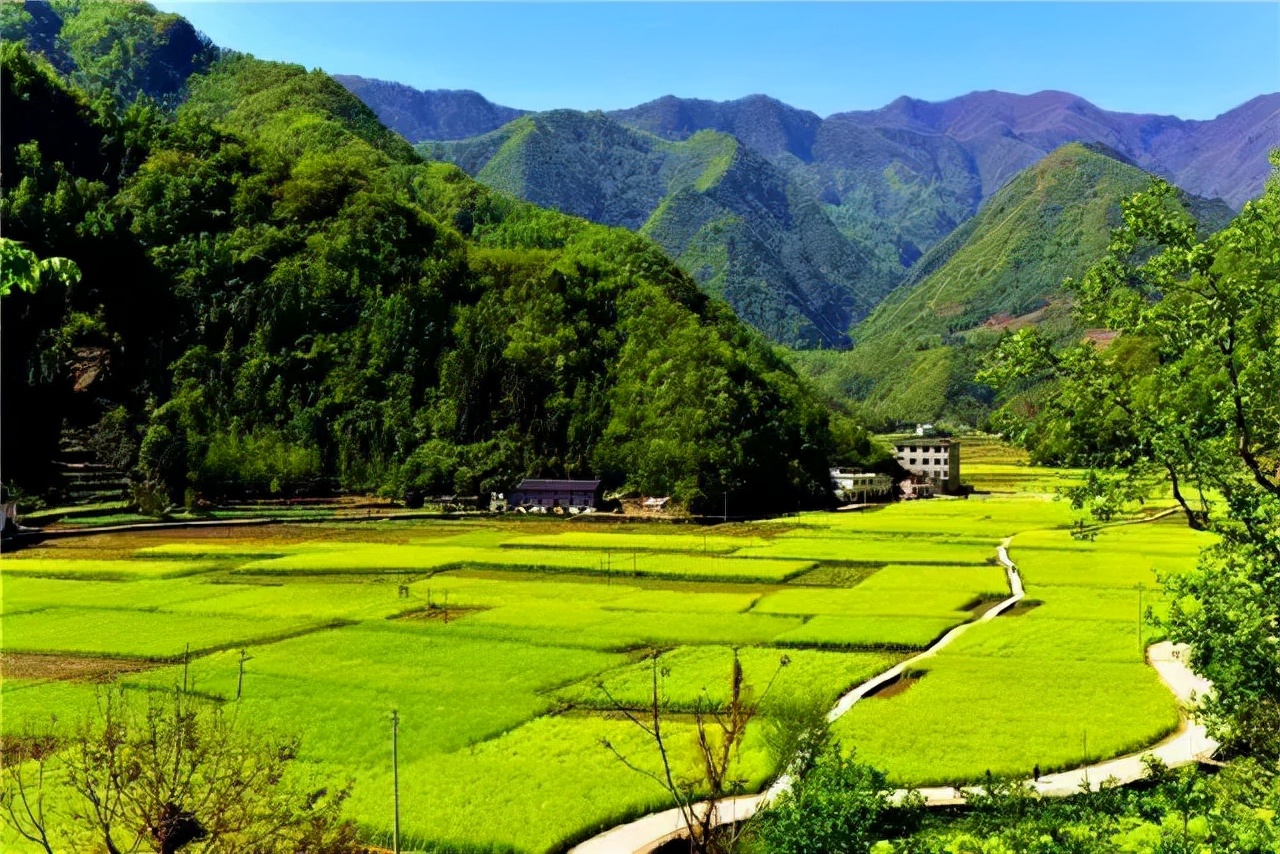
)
(508, 647)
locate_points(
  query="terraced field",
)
(506, 646)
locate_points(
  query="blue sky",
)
(1190, 59)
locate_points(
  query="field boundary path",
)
(1189, 744)
(33, 536)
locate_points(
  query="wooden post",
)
(1141, 651)
(395, 778)
(244, 656)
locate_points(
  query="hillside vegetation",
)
(916, 356)
(279, 296)
(733, 220)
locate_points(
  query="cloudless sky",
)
(1190, 59)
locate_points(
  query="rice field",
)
(1060, 684)
(507, 646)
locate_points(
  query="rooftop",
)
(531, 484)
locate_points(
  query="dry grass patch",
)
(34, 667)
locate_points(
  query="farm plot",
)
(115, 570)
(875, 549)
(1061, 683)
(968, 715)
(869, 632)
(349, 558)
(139, 634)
(692, 675)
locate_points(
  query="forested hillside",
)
(730, 218)
(277, 295)
(915, 358)
(121, 49)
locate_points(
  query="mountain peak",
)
(429, 114)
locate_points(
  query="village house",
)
(931, 457)
(550, 494)
(860, 487)
(916, 486)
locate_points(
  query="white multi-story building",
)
(930, 456)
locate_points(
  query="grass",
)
(491, 638)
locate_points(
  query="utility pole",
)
(395, 778)
(726, 505)
(1086, 758)
(244, 656)
(1141, 651)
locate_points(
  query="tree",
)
(23, 797)
(838, 807)
(174, 773)
(719, 730)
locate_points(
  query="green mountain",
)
(125, 49)
(730, 217)
(279, 296)
(915, 356)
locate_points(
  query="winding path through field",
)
(1188, 745)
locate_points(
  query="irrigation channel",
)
(1189, 744)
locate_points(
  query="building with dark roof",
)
(580, 494)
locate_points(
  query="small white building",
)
(931, 457)
(860, 487)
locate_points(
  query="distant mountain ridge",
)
(895, 181)
(1003, 133)
(433, 114)
(1224, 157)
(906, 174)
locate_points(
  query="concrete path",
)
(1188, 745)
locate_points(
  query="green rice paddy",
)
(508, 645)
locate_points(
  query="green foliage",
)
(290, 299)
(21, 270)
(839, 807)
(122, 52)
(1232, 810)
(263, 463)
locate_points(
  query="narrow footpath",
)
(1188, 745)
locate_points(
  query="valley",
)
(507, 647)
(386, 469)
